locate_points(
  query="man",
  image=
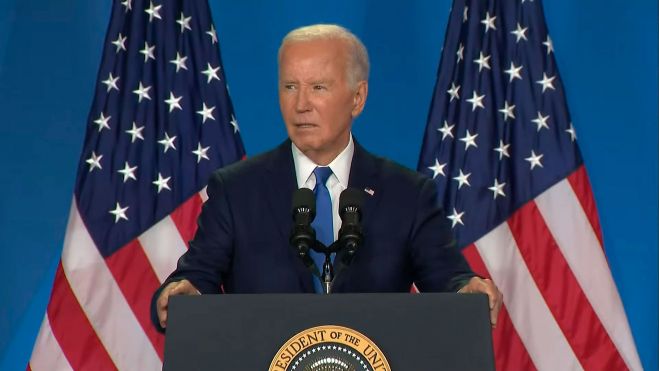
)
(242, 241)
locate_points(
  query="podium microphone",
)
(303, 236)
(350, 234)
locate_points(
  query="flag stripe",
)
(49, 355)
(66, 318)
(185, 217)
(508, 347)
(580, 248)
(163, 246)
(130, 265)
(102, 300)
(581, 187)
(527, 309)
(561, 289)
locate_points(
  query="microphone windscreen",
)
(350, 197)
(304, 198)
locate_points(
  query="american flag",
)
(502, 149)
(160, 123)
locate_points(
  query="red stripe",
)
(509, 351)
(72, 329)
(185, 217)
(137, 281)
(562, 293)
(581, 187)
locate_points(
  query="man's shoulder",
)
(256, 166)
(391, 171)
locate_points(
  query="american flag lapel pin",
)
(369, 191)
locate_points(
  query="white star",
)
(234, 123)
(489, 22)
(168, 142)
(94, 162)
(470, 140)
(497, 189)
(437, 169)
(153, 12)
(520, 33)
(135, 133)
(161, 183)
(572, 132)
(127, 4)
(454, 92)
(120, 42)
(514, 72)
(462, 179)
(534, 160)
(142, 92)
(148, 52)
(102, 122)
(482, 61)
(456, 217)
(212, 34)
(111, 82)
(502, 149)
(507, 111)
(446, 130)
(541, 121)
(460, 52)
(128, 172)
(119, 213)
(211, 73)
(184, 22)
(206, 113)
(465, 14)
(549, 44)
(173, 101)
(201, 152)
(179, 62)
(476, 101)
(546, 82)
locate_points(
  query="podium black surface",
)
(244, 332)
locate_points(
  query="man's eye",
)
(319, 87)
(289, 86)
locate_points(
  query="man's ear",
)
(359, 99)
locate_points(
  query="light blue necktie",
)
(323, 223)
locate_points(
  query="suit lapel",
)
(364, 176)
(280, 183)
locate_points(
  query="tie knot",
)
(322, 174)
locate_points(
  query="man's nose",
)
(302, 103)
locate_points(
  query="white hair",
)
(358, 65)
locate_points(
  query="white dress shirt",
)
(336, 183)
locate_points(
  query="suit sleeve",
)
(210, 252)
(438, 264)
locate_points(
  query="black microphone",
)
(350, 234)
(303, 236)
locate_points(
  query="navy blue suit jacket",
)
(242, 240)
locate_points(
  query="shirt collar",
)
(340, 166)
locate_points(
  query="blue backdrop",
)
(50, 52)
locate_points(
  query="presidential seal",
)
(329, 348)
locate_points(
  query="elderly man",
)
(242, 241)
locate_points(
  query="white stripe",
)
(47, 354)
(203, 194)
(583, 253)
(163, 245)
(102, 301)
(536, 326)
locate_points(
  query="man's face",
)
(316, 100)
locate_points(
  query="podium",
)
(397, 332)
